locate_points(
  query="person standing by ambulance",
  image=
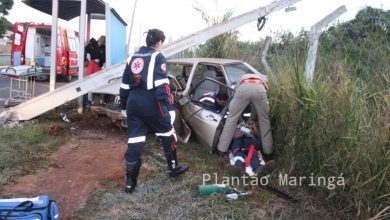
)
(101, 51)
(147, 102)
(250, 89)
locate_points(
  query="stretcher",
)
(23, 70)
(22, 83)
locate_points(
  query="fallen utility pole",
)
(50, 100)
(264, 52)
(215, 30)
(315, 32)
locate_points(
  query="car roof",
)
(204, 60)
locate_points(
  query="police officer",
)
(216, 100)
(147, 102)
(250, 89)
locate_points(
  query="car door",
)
(205, 122)
(18, 44)
(71, 51)
(183, 131)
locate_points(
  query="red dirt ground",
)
(79, 166)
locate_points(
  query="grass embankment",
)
(335, 128)
(340, 124)
(25, 147)
(159, 197)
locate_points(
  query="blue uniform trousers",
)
(143, 112)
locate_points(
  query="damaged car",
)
(189, 79)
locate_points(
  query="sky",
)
(178, 18)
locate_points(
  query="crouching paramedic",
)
(147, 102)
(250, 89)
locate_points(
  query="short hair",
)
(222, 96)
(92, 41)
(154, 36)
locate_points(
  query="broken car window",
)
(235, 71)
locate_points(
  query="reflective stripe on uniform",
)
(167, 134)
(235, 159)
(207, 99)
(149, 84)
(129, 59)
(255, 80)
(160, 82)
(125, 86)
(136, 139)
(247, 114)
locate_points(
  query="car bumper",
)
(114, 115)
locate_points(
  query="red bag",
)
(92, 68)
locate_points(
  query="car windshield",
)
(234, 71)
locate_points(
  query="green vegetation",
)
(5, 6)
(25, 148)
(329, 129)
(337, 126)
(340, 123)
(159, 197)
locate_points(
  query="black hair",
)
(93, 42)
(222, 96)
(154, 36)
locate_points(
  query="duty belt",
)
(254, 80)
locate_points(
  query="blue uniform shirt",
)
(147, 70)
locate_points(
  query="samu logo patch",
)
(164, 67)
(137, 65)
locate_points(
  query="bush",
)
(328, 129)
(340, 123)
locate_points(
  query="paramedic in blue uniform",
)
(147, 102)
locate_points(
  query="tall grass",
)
(340, 124)
(328, 129)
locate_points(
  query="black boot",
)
(174, 168)
(132, 171)
(218, 152)
(268, 157)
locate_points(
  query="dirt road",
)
(91, 155)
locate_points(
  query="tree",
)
(362, 42)
(4, 25)
(5, 6)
